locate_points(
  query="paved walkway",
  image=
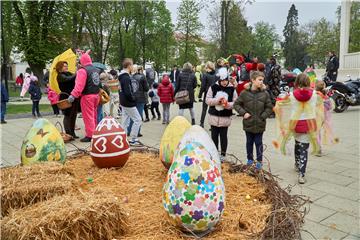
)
(332, 180)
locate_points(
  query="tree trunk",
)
(144, 37)
(38, 70)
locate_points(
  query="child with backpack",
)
(153, 94)
(254, 104)
(35, 93)
(166, 93)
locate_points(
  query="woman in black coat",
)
(187, 81)
(66, 81)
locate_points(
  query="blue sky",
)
(275, 12)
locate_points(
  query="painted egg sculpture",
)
(42, 143)
(171, 138)
(194, 191)
(197, 135)
(109, 145)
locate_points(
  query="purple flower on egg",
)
(177, 209)
(221, 206)
(188, 161)
(198, 215)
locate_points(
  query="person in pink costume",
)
(26, 84)
(87, 86)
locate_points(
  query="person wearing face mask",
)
(220, 97)
(254, 104)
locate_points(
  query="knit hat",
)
(222, 73)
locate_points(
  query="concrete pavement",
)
(332, 180)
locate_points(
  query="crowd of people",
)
(244, 85)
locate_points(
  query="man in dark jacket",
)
(208, 79)
(128, 101)
(174, 74)
(4, 100)
(140, 94)
(332, 66)
(187, 81)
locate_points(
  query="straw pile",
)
(95, 214)
(138, 185)
(26, 185)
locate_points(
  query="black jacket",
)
(127, 96)
(186, 81)
(333, 64)
(173, 77)
(208, 79)
(66, 81)
(143, 88)
(35, 91)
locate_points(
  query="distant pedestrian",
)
(35, 93)
(154, 102)
(19, 80)
(332, 66)
(26, 84)
(166, 94)
(4, 100)
(208, 79)
(187, 81)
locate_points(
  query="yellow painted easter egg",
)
(42, 143)
(171, 138)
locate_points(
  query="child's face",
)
(224, 82)
(258, 82)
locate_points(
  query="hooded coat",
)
(127, 92)
(186, 81)
(257, 104)
(166, 91)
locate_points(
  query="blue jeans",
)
(252, 138)
(100, 115)
(140, 108)
(3, 111)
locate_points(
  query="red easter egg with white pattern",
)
(109, 145)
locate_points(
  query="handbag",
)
(182, 97)
(104, 97)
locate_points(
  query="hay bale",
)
(81, 215)
(25, 185)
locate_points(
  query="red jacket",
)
(166, 91)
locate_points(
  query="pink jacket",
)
(81, 76)
(218, 121)
(53, 96)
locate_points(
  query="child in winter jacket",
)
(220, 98)
(166, 93)
(254, 104)
(53, 98)
(153, 93)
(35, 93)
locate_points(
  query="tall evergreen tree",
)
(293, 48)
(188, 25)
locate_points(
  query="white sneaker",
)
(301, 179)
(135, 143)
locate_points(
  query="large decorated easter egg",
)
(194, 191)
(197, 135)
(42, 143)
(171, 138)
(109, 145)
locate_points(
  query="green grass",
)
(26, 108)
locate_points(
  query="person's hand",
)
(220, 101)
(71, 99)
(247, 115)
